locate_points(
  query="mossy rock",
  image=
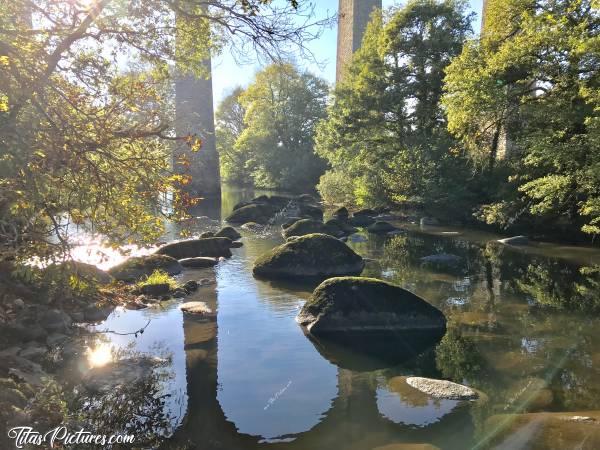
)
(228, 232)
(311, 211)
(361, 221)
(289, 222)
(341, 213)
(83, 271)
(200, 262)
(381, 227)
(255, 212)
(138, 267)
(368, 305)
(307, 226)
(311, 256)
(365, 212)
(342, 226)
(192, 248)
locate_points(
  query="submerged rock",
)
(138, 267)
(545, 430)
(228, 232)
(381, 227)
(199, 262)
(442, 388)
(192, 248)
(313, 255)
(359, 305)
(515, 240)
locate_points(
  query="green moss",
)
(310, 255)
(350, 294)
(158, 277)
(306, 226)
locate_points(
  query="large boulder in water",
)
(138, 267)
(381, 227)
(192, 248)
(307, 226)
(200, 262)
(361, 221)
(312, 256)
(341, 213)
(83, 271)
(254, 212)
(367, 306)
(311, 211)
(340, 226)
(228, 232)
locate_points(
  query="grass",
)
(158, 277)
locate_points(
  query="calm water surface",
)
(521, 330)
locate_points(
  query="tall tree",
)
(385, 128)
(85, 111)
(283, 106)
(546, 73)
(229, 126)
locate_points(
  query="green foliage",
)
(229, 121)
(534, 81)
(158, 277)
(336, 188)
(457, 357)
(385, 127)
(86, 109)
(282, 107)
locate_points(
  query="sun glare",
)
(100, 355)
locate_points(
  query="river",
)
(522, 330)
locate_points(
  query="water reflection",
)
(521, 329)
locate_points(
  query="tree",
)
(229, 126)
(85, 110)
(544, 73)
(385, 128)
(283, 107)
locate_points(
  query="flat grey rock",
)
(442, 388)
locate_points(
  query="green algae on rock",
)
(138, 267)
(368, 305)
(311, 256)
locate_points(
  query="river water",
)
(523, 330)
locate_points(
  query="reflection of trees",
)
(138, 408)
(562, 286)
(457, 357)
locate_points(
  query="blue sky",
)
(227, 74)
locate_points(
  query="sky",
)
(227, 74)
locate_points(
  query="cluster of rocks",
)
(358, 312)
(36, 337)
(263, 209)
